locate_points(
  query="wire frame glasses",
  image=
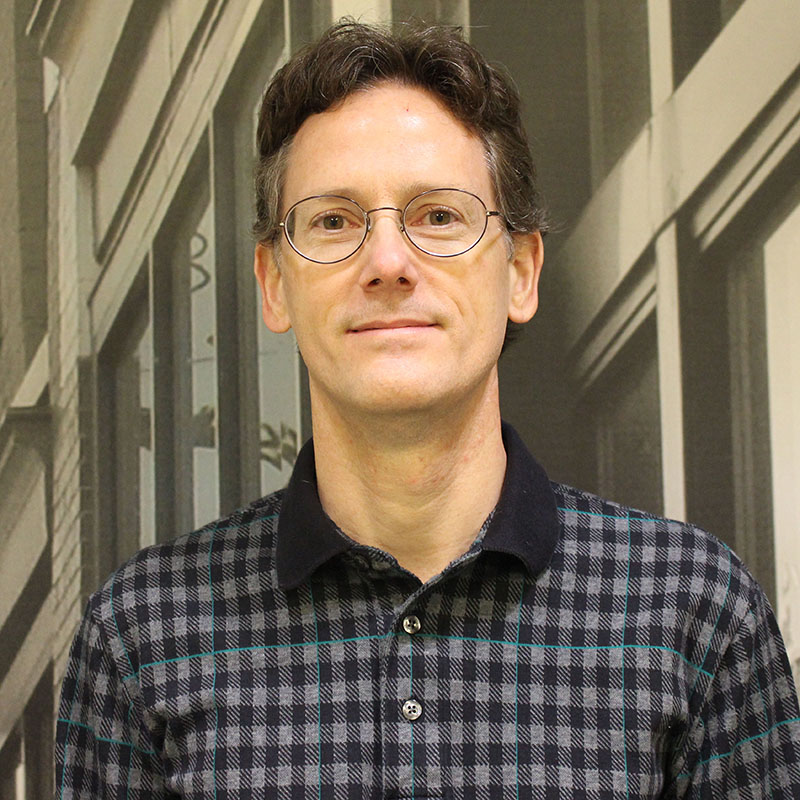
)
(440, 222)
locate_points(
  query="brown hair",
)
(352, 57)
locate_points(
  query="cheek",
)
(485, 310)
(312, 301)
(298, 305)
(493, 293)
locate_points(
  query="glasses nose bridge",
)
(368, 215)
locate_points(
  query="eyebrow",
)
(407, 191)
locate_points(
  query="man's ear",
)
(270, 280)
(525, 268)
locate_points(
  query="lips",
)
(391, 324)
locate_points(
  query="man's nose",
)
(388, 260)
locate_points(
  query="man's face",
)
(391, 329)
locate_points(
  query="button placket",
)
(411, 708)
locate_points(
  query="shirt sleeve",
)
(103, 749)
(746, 742)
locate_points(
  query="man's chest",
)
(452, 694)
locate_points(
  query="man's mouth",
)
(391, 324)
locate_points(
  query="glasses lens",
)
(325, 229)
(445, 222)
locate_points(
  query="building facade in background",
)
(140, 396)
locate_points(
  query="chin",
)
(430, 395)
(405, 387)
(398, 400)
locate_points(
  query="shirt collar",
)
(523, 524)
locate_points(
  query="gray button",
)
(411, 624)
(412, 710)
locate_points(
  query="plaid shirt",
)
(577, 650)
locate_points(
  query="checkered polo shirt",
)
(579, 649)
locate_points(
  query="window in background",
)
(185, 342)
(263, 428)
(707, 382)
(23, 213)
(195, 281)
(620, 413)
(129, 358)
(26, 758)
(782, 279)
(726, 404)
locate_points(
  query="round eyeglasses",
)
(440, 222)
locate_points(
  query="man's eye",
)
(440, 217)
(333, 222)
(434, 217)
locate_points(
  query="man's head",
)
(414, 318)
(350, 58)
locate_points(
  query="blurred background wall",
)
(141, 397)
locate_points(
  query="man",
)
(421, 613)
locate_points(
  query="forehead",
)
(383, 142)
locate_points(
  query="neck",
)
(418, 486)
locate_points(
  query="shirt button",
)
(412, 710)
(411, 624)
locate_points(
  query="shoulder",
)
(677, 584)
(652, 543)
(158, 602)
